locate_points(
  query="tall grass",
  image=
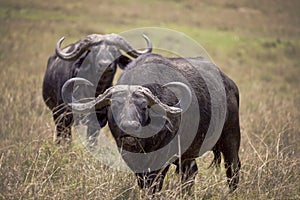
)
(265, 68)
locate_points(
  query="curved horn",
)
(79, 48)
(114, 39)
(66, 90)
(149, 45)
(154, 100)
(182, 92)
(100, 102)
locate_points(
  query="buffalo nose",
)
(130, 126)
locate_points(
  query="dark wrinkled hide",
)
(57, 73)
(227, 145)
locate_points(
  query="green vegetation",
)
(33, 14)
(256, 43)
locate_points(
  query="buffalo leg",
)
(229, 144)
(152, 181)
(94, 127)
(189, 170)
(92, 132)
(63, 122)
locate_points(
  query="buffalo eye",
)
(141, 103)
(144, 105)
(109, 70)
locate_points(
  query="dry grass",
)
(257, 44)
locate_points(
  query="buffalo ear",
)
(123, 61)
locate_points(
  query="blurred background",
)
(255, 42)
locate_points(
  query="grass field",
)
(257, 43)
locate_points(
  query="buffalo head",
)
(102, 54)
(133, 107)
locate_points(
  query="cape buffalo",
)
(190, 107)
